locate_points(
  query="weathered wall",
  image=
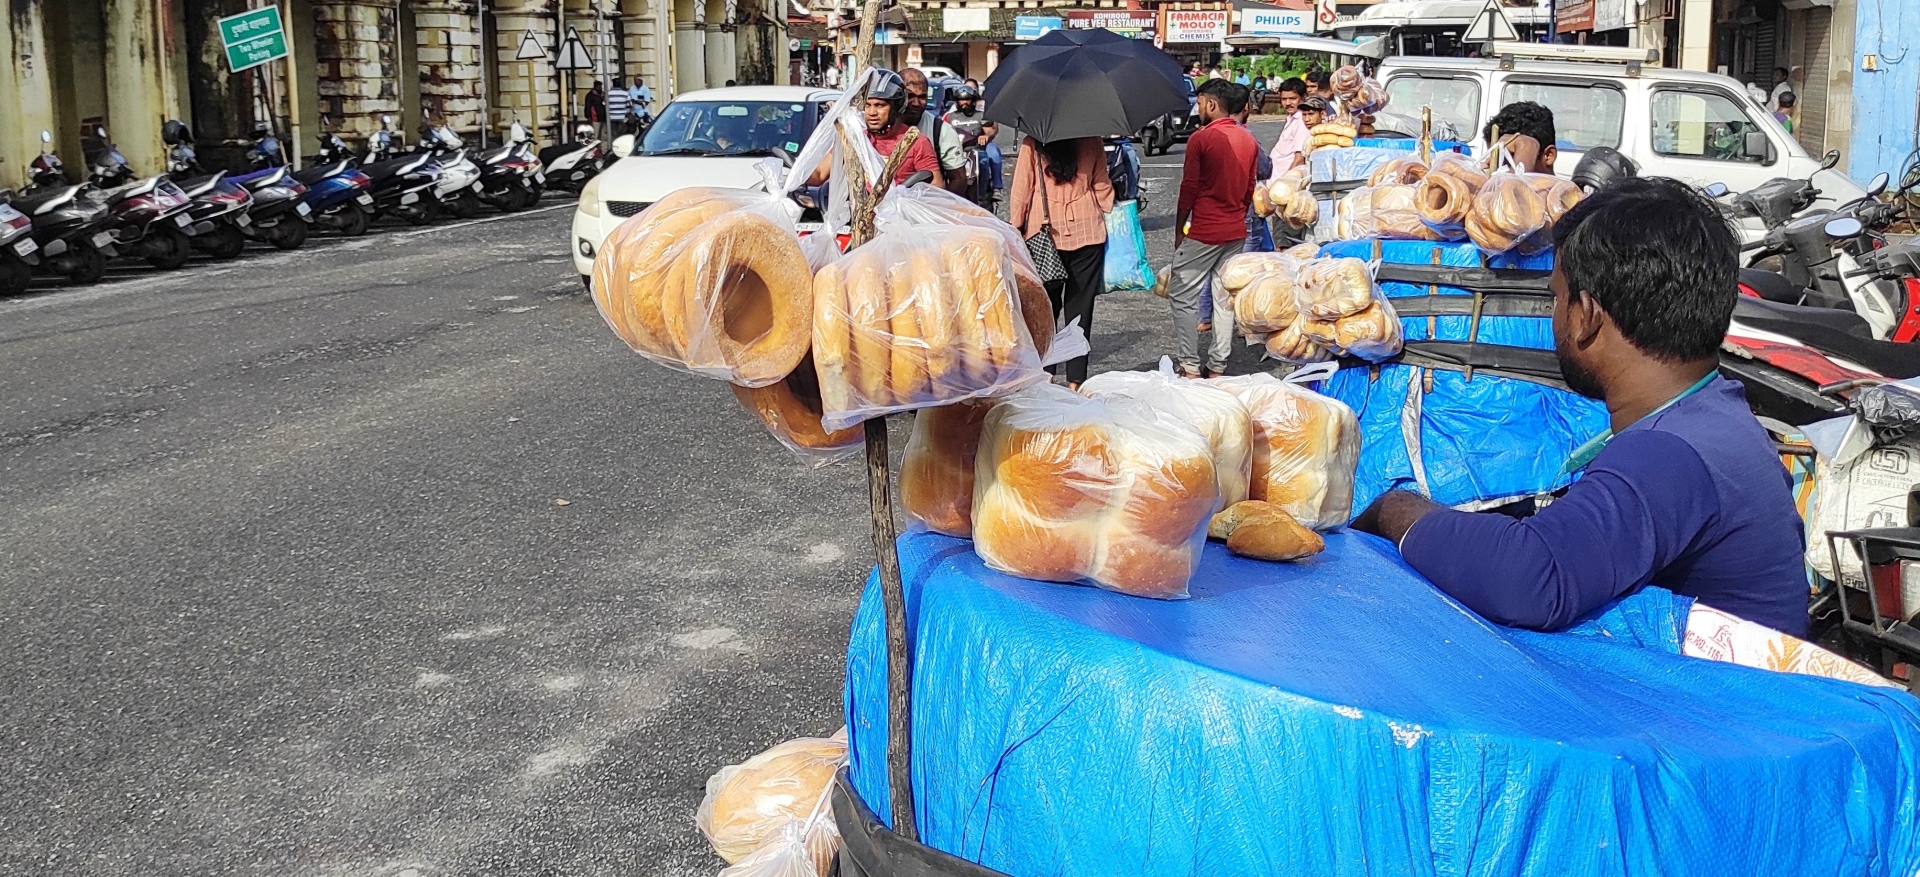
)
(356, 63)
(26, 89)
(447, 33)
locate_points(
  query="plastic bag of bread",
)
(790, 409)
(1346, 82)
(1241, 270)
(1107, 492)
(936, 471)
(917, 318)
(1333, 288)
(1396, 214)
(1302, 252)
(1398, 171)
(1288, 184)
(1289, 344)
(1302, 210)
(751, 804)
(908, 207)
(1353, 215)
(1271, 302)
(1505, 212)
(1372, 333)
(1367, 99)
(710, 281)
(1305, 447)
(1262, 205)
(1559, 196)
(1216, 413)
(1445, 195)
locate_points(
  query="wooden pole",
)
(893, 598)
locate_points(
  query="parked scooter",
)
(458, 193)
(18, 251)
(69, 221)
(571, 165)
(279, 213)
(511, 176)
(403, 185)
(148, 218)
(220, 207)
(340, 196)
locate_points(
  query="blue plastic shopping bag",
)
(1127, 267)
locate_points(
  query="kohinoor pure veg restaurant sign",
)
(1137, 23)
(1196, 26)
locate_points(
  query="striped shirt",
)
(617, 101)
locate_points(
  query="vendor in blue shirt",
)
(1685, 492)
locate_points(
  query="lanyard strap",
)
(1587, 452)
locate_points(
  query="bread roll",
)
(750, 803)
(984, 291)
(791, 409)
(1398, 171)
(705, 281)
(1286, 185)
(1353, 215)
(1262, 204)
(1303, 210)
(1333, 288)
(914, 284)
(1241, 270)
(1036, 310)
(1272, 534)
(1302, 252)
(1269, 305)
(870, 317)
(1070, 488)
(936, 471)
(1396, 214)
(1305, 447)
(1290, 345)
(1444, 202)
(1373, 334)
(1217, 414)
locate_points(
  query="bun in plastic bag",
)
(1305, 448)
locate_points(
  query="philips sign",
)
(1277, 21)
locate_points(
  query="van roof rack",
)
(1633, 58)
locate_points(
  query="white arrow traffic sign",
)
(573, 53)
(1490, 26)
(530, 49)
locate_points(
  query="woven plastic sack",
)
(1106, 492)
(1218, 414)
(919, 318)
(1127, 268)
(1305, 447)
(750, 804)
(709, 281)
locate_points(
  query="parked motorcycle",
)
(148, 218)
(338, 194)
(279, 213)
(70, 227)
(511, 176)
(18, 250)
(458, 193)
(571, 165)
(220, 207)
(403, 185)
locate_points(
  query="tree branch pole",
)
(893, 600)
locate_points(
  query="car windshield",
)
(1454, 100)
(1584, 116)
(729, 128)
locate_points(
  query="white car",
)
(703, 138)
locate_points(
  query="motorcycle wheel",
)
(89, 264)
(290, 234)
(416, 215)
(224, 242)
(15, 275)
(512, 200)
(354, 222)
(465, 205)
(170, 249)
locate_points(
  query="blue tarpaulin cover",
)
(1480, 441)
(1340, 716)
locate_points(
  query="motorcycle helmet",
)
(173, 133)
(582, 132)
(965, 92)
(1601, 166)
(887, 85)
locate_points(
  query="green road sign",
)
(253, 38)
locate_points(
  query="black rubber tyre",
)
(465, 205)
(416, 214)
(89, 264)
(290, 234)
(354, 222)
(15, 276)
(172, 249)
(513, 200)
(224, 242)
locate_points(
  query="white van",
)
(1699, 127)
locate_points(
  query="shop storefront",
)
(1194, 36)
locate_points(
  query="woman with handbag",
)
(1059, 201)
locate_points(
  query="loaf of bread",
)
(1305, 447)
(1333, 288)
(751, 803)
(790, 409)
(1241, 270)
(1290, 345)
(1396, 214)
(1269, 304)
(1372, 333)
(1264, 531)
(936, 471)
(710, 281)
(924, 317)
(1506, 211)
(1073, 489)
(1216, 413)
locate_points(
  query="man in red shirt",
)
(1216, 190)
(886, 97)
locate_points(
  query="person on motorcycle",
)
(976, 134)
(946, 141)
(1685, 491)
(886, 98)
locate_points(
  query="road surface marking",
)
(431, 229)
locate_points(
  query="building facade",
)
(125, 66)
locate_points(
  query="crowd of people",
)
(622, 109)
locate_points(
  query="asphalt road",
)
(385, 557)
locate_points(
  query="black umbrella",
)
(1084, 83)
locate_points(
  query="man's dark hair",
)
(1784, 72)
(1319, 79)
(1524, 117)
(1787, 99)
(1294, 85)
(1238, 100)
(1220, 90)
(1659, 258)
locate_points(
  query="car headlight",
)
(590, 198)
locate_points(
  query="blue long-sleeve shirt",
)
(1692, 499)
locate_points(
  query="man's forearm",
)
(1394, 513)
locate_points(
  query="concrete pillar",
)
(720, 64)
(524, 91)
(447, 36)
(643, 52)
(26, 93)
(357, 64)
(1696, 35)
(142, 78)
(689, 46)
